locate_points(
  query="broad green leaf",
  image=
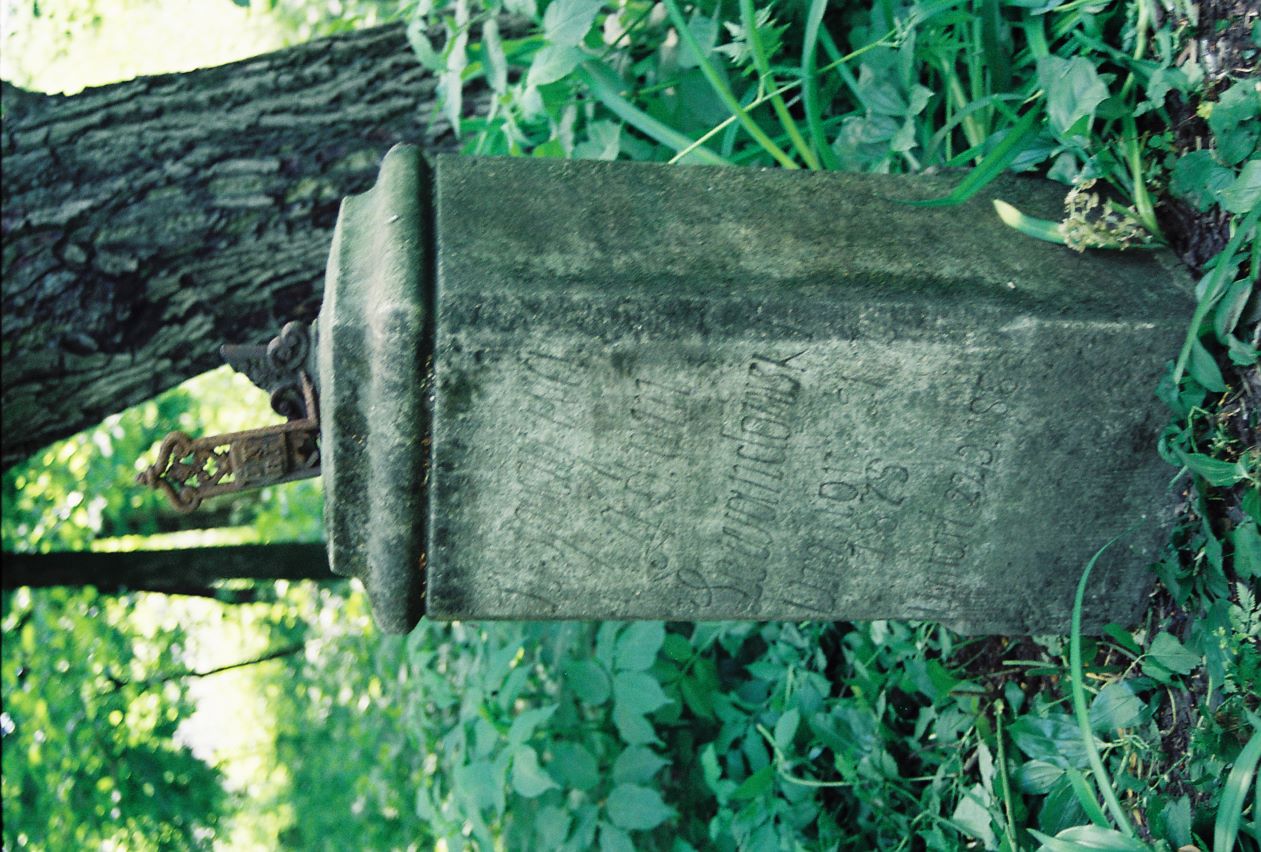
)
(1038, 776)
(588, 681)
(1233, 121)
(1116, 706)
(1171, 654)
(1244, 194)
(1073, 90)
(638, 692)
(552, 827)
(638, 644)
(575, 765)
(677, 647)
(1177, 817)
(705, 31)
(973, 816)
(1214, 471)
(1203, 368)
(552, 63)
(756, 785)
(634, 728)
(636, 808)
(1231, 308)
(637, 765)
(1054, 739)
(607, 86)
(526, 722)
(786, 729)
(528, 778)
(1082, 838)
(613, 839)
(566, 22)
(481, 783)
(1060, 809)
(603, 142)
(1200, 179)
(1247, 544)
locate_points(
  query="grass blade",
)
(763, 65)
(1081, 710)
(1214, 291)
(723, 91)
(1230, 811)
(810, 86)
(1086, 797)
(1030, 226)
(605, 85)
(994, 163)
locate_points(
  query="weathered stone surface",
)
(371, 356)
(692, 393)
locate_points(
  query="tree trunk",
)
(193, 571)
(147, 222)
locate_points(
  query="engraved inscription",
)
(752, 504)
(583, 509)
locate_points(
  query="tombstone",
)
(554, 389)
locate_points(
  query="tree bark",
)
(146, 222)
(193, 571)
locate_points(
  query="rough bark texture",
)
(147, 222)
(189, 571)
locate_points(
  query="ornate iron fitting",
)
(188, 470)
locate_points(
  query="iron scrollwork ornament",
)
(188, 470)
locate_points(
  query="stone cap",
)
(373, 326)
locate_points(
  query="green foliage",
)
(779, 736)
(90, 757)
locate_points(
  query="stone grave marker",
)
(614, 390)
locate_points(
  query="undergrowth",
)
(884, 735)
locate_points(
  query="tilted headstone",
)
(611, 390)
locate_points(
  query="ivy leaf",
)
(636, 808)
(528, 778)
(638, 645)
(637, 765)
(566, 22)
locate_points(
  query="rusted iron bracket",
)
(189, 470)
